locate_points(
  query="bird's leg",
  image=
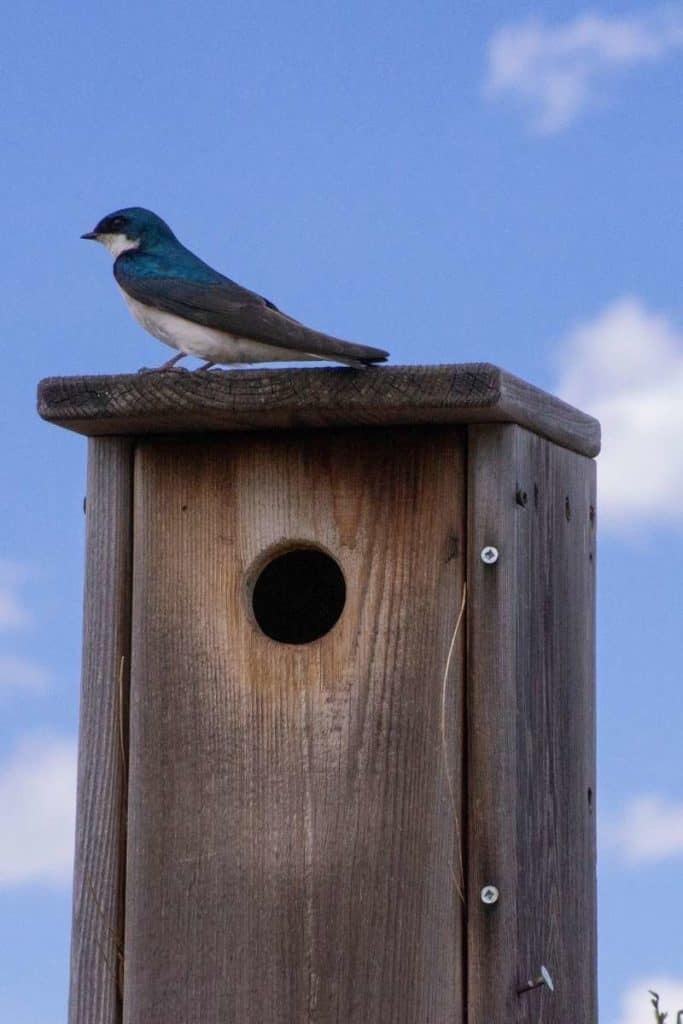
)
(168, 365)
(206, 366)
(171, 362)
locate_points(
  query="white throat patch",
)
(118, 243)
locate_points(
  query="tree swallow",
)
(191, 307)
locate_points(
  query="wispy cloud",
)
(18, 673)
(625, 366)
(557, 71)
(635, 1002)
(22, 675)
(650, 829)
(37, 807)
(13, 614)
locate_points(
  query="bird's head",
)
(132, 228)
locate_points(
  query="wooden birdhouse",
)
(337, 725)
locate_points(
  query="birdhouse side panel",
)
(531, 728)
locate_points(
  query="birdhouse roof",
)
(283, 399)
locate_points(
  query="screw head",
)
(489, 555)
(489, 895)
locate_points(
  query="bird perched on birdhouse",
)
(190, 306)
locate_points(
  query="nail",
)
(544, 978)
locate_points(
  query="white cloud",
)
(558, 71)
(13, 614)
(22, 675)
(636, 1005)
(626, 367)
(649, 830)
(37, 810)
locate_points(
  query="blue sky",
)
(455, 182)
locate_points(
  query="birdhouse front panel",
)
(295, 769)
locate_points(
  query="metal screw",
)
(544, 978)
(489, 555)
(489, 895)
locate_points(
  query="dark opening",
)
(299, 596)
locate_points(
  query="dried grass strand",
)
(459, 881)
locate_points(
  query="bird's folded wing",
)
(216, 306)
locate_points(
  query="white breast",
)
(206, 342)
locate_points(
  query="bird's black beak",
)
(90, 235)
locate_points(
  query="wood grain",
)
(293, 845)
(175, 402)
(531, 728)
(97, 931)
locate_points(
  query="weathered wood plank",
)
(293, 844)
(330, 397)
(531, 731)
(491, 942)
(97, 932)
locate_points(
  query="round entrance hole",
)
(299, 595)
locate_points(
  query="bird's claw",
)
(163, 369)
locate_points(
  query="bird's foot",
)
(163, 369)
(170, 365)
